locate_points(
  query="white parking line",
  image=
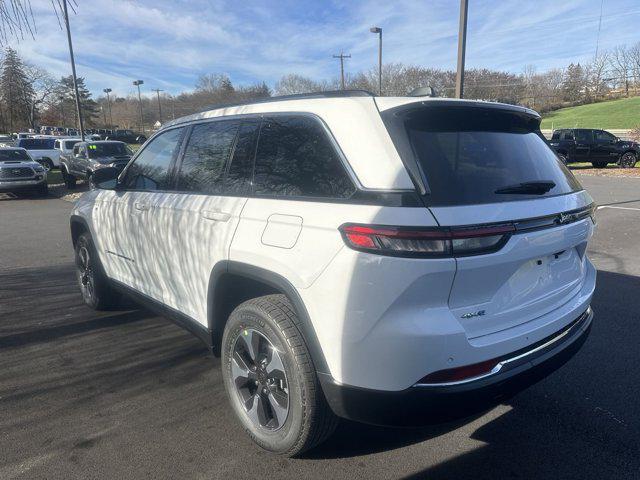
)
(619, 208)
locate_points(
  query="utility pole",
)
(73, 68)
(342, 56)
(137, 83)
(104, 114)
(462, 45)
(157, 90)
(108, 91)
(378, 30)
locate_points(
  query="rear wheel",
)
(69, 180)
(599, 164)
(46, 163)
(96, 289)
(627, 160)
(270, 378)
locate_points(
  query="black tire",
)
(627, 160)
(42, 190)
(563, 158)
(69, 180)
(599, 164)
(309, 420)
(95, 287)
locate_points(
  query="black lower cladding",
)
(423, 405)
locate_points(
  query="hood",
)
(18, 163)
(114, 158)
(627, 144)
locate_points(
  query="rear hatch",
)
(480, 166)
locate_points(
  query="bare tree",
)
(43, 86)
(620, 62)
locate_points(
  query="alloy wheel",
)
(85, 273)
(628, 160)
(260, 380)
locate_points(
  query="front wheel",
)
(270, 378)
(563, 158)
(95, 287)
(627, 160)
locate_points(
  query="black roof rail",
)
(297, 96)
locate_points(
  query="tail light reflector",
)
(425, 242)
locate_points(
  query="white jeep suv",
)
(388, 260)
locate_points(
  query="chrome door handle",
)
(141, 206)
(215, 216)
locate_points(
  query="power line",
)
(595, 57)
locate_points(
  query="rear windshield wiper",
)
(533, 188)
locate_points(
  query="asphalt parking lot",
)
(129, 395)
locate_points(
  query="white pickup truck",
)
(42, 150)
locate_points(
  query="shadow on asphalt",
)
(59, 359)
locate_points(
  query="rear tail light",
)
(425, 242)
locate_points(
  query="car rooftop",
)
(337, 97)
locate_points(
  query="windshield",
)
(15, 155)
(108, 150)
(472, 155)
(68, 144)
(37, 143)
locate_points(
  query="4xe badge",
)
(479, 313)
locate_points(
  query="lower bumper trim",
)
(428, 404)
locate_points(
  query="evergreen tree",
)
(574, 85)
(16, 91)
(89, 107)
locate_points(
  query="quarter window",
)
(295, 158)
(206, 155)
(150, 170)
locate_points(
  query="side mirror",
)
(105, 178)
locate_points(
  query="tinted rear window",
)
(468, 154)
(37, 143)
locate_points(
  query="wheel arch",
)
(232, 283)
(78, 226)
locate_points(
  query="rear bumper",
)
(425, 404)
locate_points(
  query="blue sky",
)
(169, 43)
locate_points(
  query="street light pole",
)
(108, 91)
(462, 45)
(342, 56)
(137, 83)
(73, 68)
(378, 30)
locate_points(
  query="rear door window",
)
(473, 155)
(295, 158)
(584, 136)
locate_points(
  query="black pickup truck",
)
(126, 136)
(596, 146)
